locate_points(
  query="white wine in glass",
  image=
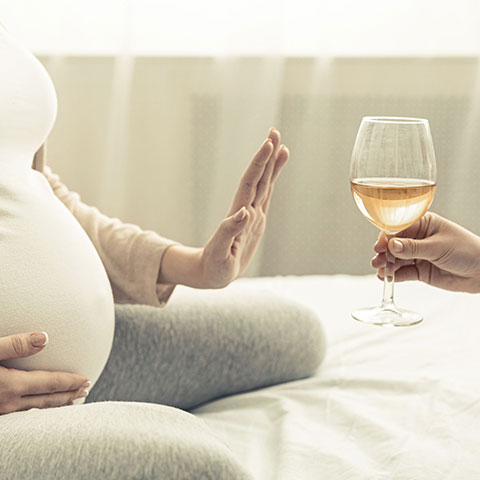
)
(393, 179)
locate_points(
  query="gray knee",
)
(114, 440)
(303, 336)
(282, 333)
(276, 339)
(308, 339)
(286, 338)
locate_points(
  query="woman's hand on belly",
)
(22, 390)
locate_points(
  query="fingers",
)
(381, 243)
(419, 230)
(403, 274)
(274, 136)
(412, 243)
(47, 401)
(38, 382)
(264, 183)
(266, 205)
(248, 184)
(283, 156)
(380, 260)
(22, 390)
(22, 344)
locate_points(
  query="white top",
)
(51, 277)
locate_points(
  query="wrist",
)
(181, 265)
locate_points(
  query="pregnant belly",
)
(52, 279)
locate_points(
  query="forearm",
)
(181, 265)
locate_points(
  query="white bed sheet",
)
(387, 403)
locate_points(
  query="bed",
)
(387, 403)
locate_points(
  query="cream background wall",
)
(163, 141)
(162, 105)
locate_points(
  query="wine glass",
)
(393, 178)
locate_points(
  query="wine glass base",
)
(390, 316)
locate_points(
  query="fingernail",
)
(86, 384)
(240, 215)
(39, 339)
(397, 245)
(83, 393)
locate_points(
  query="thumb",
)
(230, 227)
(22, 344)
(234, 224)
(408, 248)
(240, 217)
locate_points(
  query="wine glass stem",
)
(389, 279)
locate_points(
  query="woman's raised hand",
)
(230, 249)
(22, 390)
(433, 250)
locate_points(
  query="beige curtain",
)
(162, 142)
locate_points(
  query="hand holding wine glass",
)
(433, 250)
(393, 179)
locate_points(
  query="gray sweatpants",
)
(164, 361)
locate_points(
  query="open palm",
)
(230, 249)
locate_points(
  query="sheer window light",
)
(249, 27)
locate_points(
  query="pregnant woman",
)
(97, 287)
